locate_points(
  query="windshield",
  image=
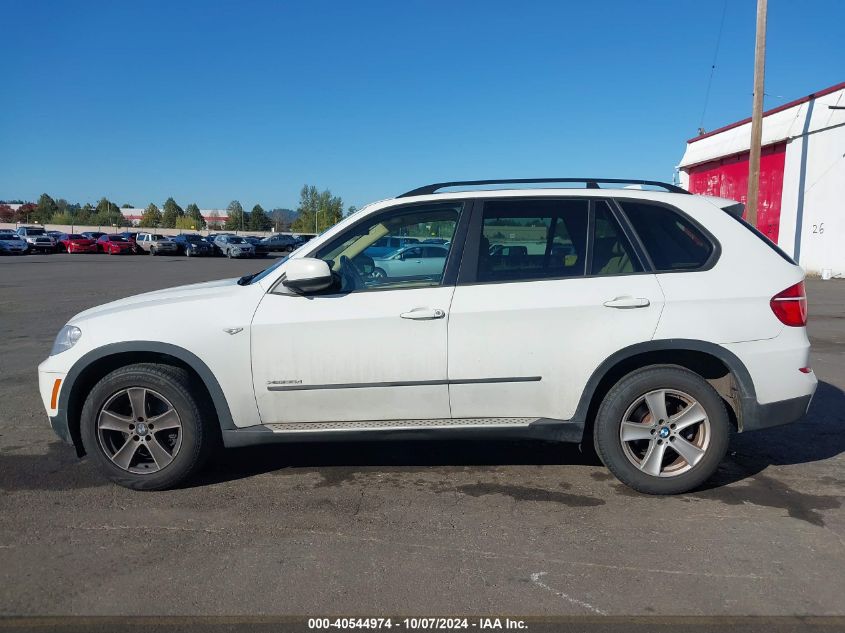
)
(74, 236)
(235, 240)
(35, 231)
(8, 236)
(193, 238)
(117, 238)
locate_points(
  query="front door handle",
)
(423, 314)
(626, 303)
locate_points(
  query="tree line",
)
(317, 211)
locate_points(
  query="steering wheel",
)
(349, 273)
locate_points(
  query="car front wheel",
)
(662, 430)
(144, 428)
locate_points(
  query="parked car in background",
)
(234, 246)
(156, 244)
(92, 235)
(37, 239)
(12, 244)
(75, 243)
(261, 249)
(211, 238)
(281, 243)
(192, 245)
(54, 234)
(132, 237)
(411, 262)
(115, 245)
(388, 245)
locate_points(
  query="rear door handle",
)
(423, 314)
(626, 303)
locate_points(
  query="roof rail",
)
(589, 183)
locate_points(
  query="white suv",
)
(648, 322)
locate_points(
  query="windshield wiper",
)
(244, 281)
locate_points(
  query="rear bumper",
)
(757, 416)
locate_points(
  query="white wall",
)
(814, 198)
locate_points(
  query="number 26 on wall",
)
(818, 228)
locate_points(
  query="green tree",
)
(352, 209)
(236, 220)
(259, 220)
(151, 217)
(62, 218)
(170, 212)
(126, 205)
(318, 210)
(107, 213)
(85, 214)
(192, 213)
(45, 209)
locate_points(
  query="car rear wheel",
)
(662, 430)
(378, 273)
(152, 252)
(144, 428)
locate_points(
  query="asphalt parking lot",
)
(423, 528)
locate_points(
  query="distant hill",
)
(283, 216)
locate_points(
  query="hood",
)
(179, 294)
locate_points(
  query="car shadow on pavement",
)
(816, 437)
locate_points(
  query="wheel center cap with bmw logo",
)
(141, 429)
(664, 432)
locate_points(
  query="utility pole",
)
(757, 115)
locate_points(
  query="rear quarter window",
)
(671, 241)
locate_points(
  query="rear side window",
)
(672, 241)
(532, 239)
(612, 252)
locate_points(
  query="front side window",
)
(672, 241)
(532, 239)
(374, 254)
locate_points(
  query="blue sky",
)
(209, 101)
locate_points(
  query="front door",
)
(551, 289)
(372, 347)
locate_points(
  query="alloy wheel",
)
(665, 432)
(139, 430)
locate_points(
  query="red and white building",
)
(218, 216)
(801, 203)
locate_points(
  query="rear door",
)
(548, 289)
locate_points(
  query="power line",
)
(713, 65)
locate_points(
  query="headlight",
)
(67, 338)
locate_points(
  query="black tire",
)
(617, 455)
(152, 251)
(197, 439)
(229, 253)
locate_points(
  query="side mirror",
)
(307, 274)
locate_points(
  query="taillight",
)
(790, 306)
